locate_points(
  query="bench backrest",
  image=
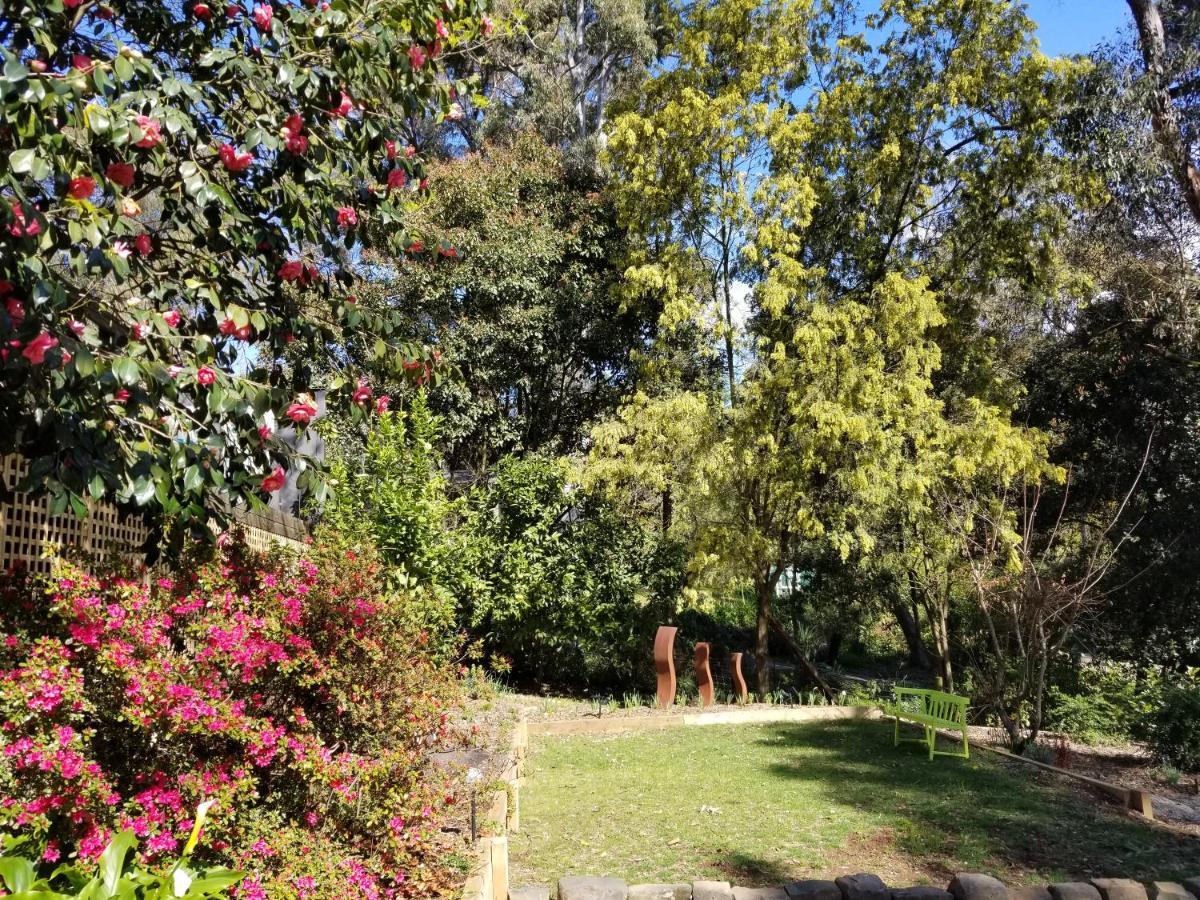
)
(939, 704)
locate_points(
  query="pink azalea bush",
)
(291, 691)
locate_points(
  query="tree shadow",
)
(981, 814)
(745, 869)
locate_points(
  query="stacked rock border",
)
(965, 886)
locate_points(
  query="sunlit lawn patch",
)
(764, 804)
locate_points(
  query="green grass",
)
(824, 798)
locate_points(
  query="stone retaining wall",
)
(965, 886)
(489, 876)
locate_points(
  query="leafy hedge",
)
(289, 691)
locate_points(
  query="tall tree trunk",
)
(833, 648)
(918, 653)
(668, 511)
(764, 591)
(1163, 115)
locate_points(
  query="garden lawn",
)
(760, 805)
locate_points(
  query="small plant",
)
(633, 700)
(115, 874)
(1175, 729)
(1039, 753)
(1170, 775)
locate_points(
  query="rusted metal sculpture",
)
(664, 664)
(704, 682)
(738, 679)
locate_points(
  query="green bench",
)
(931, 710)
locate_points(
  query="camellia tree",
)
(183, 194)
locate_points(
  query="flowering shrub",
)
(291, 692)
(183, 190)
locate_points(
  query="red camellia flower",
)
(346, 217)
(416, 56)
(243, 333)
(233, 10)
(362, 395)
(82, 62)
(202, 11)
(276, 480)
(416, 247)
(205, 376)
(233, 160)
(264, 433)
(301, 413)
(77, 327)
(143, 243)
(151, 132)
(121, 395)
(396, 179)
(22, 227)
(382, 404)
(344, 108)
(291, 270)
(35, 350)
(139, 331)
(262, 16)
(390, 146)
(442, 31)
(120, 174)
(16, 310)
(172, 318)
(227, 326)
(81, 187)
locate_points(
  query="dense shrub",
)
(560, 584)
(289, 690)
(1100, 702)
(1175, 728)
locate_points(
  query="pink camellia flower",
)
(77, 327)
(139, 330)
(81, 187)
(346, 217)
(35, 350)
(301, 413)
(205, 376)
(51, 853)
(344, 108)
(151, 132)
(416, 56)
(486, 25)
(410, 151)
(143, 243)
(122, 249)
(294, 140)
(174, 371)
(227, 326)
(121, 395)
(22, 226)
(362, 395)
(264, 433)
(382, 404)
(276, 480)
(262, 16)
(66, 355)
(442, 31)
(233, 160)
(202, 11)
(82, 62)
(172, 318)
(120, 174)
(16, 310)
(291, 270)
(396, 179)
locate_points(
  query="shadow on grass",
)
(977, 815)
(744, 868)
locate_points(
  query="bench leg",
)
(966, 746)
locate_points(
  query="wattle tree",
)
(182, 199)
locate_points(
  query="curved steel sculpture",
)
(738, 679)
(664, 664)
(704, 682)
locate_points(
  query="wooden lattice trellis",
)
(29, 535)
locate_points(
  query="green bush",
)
(1103, 702)
(1175, 728)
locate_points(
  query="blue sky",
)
(1076, 26)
